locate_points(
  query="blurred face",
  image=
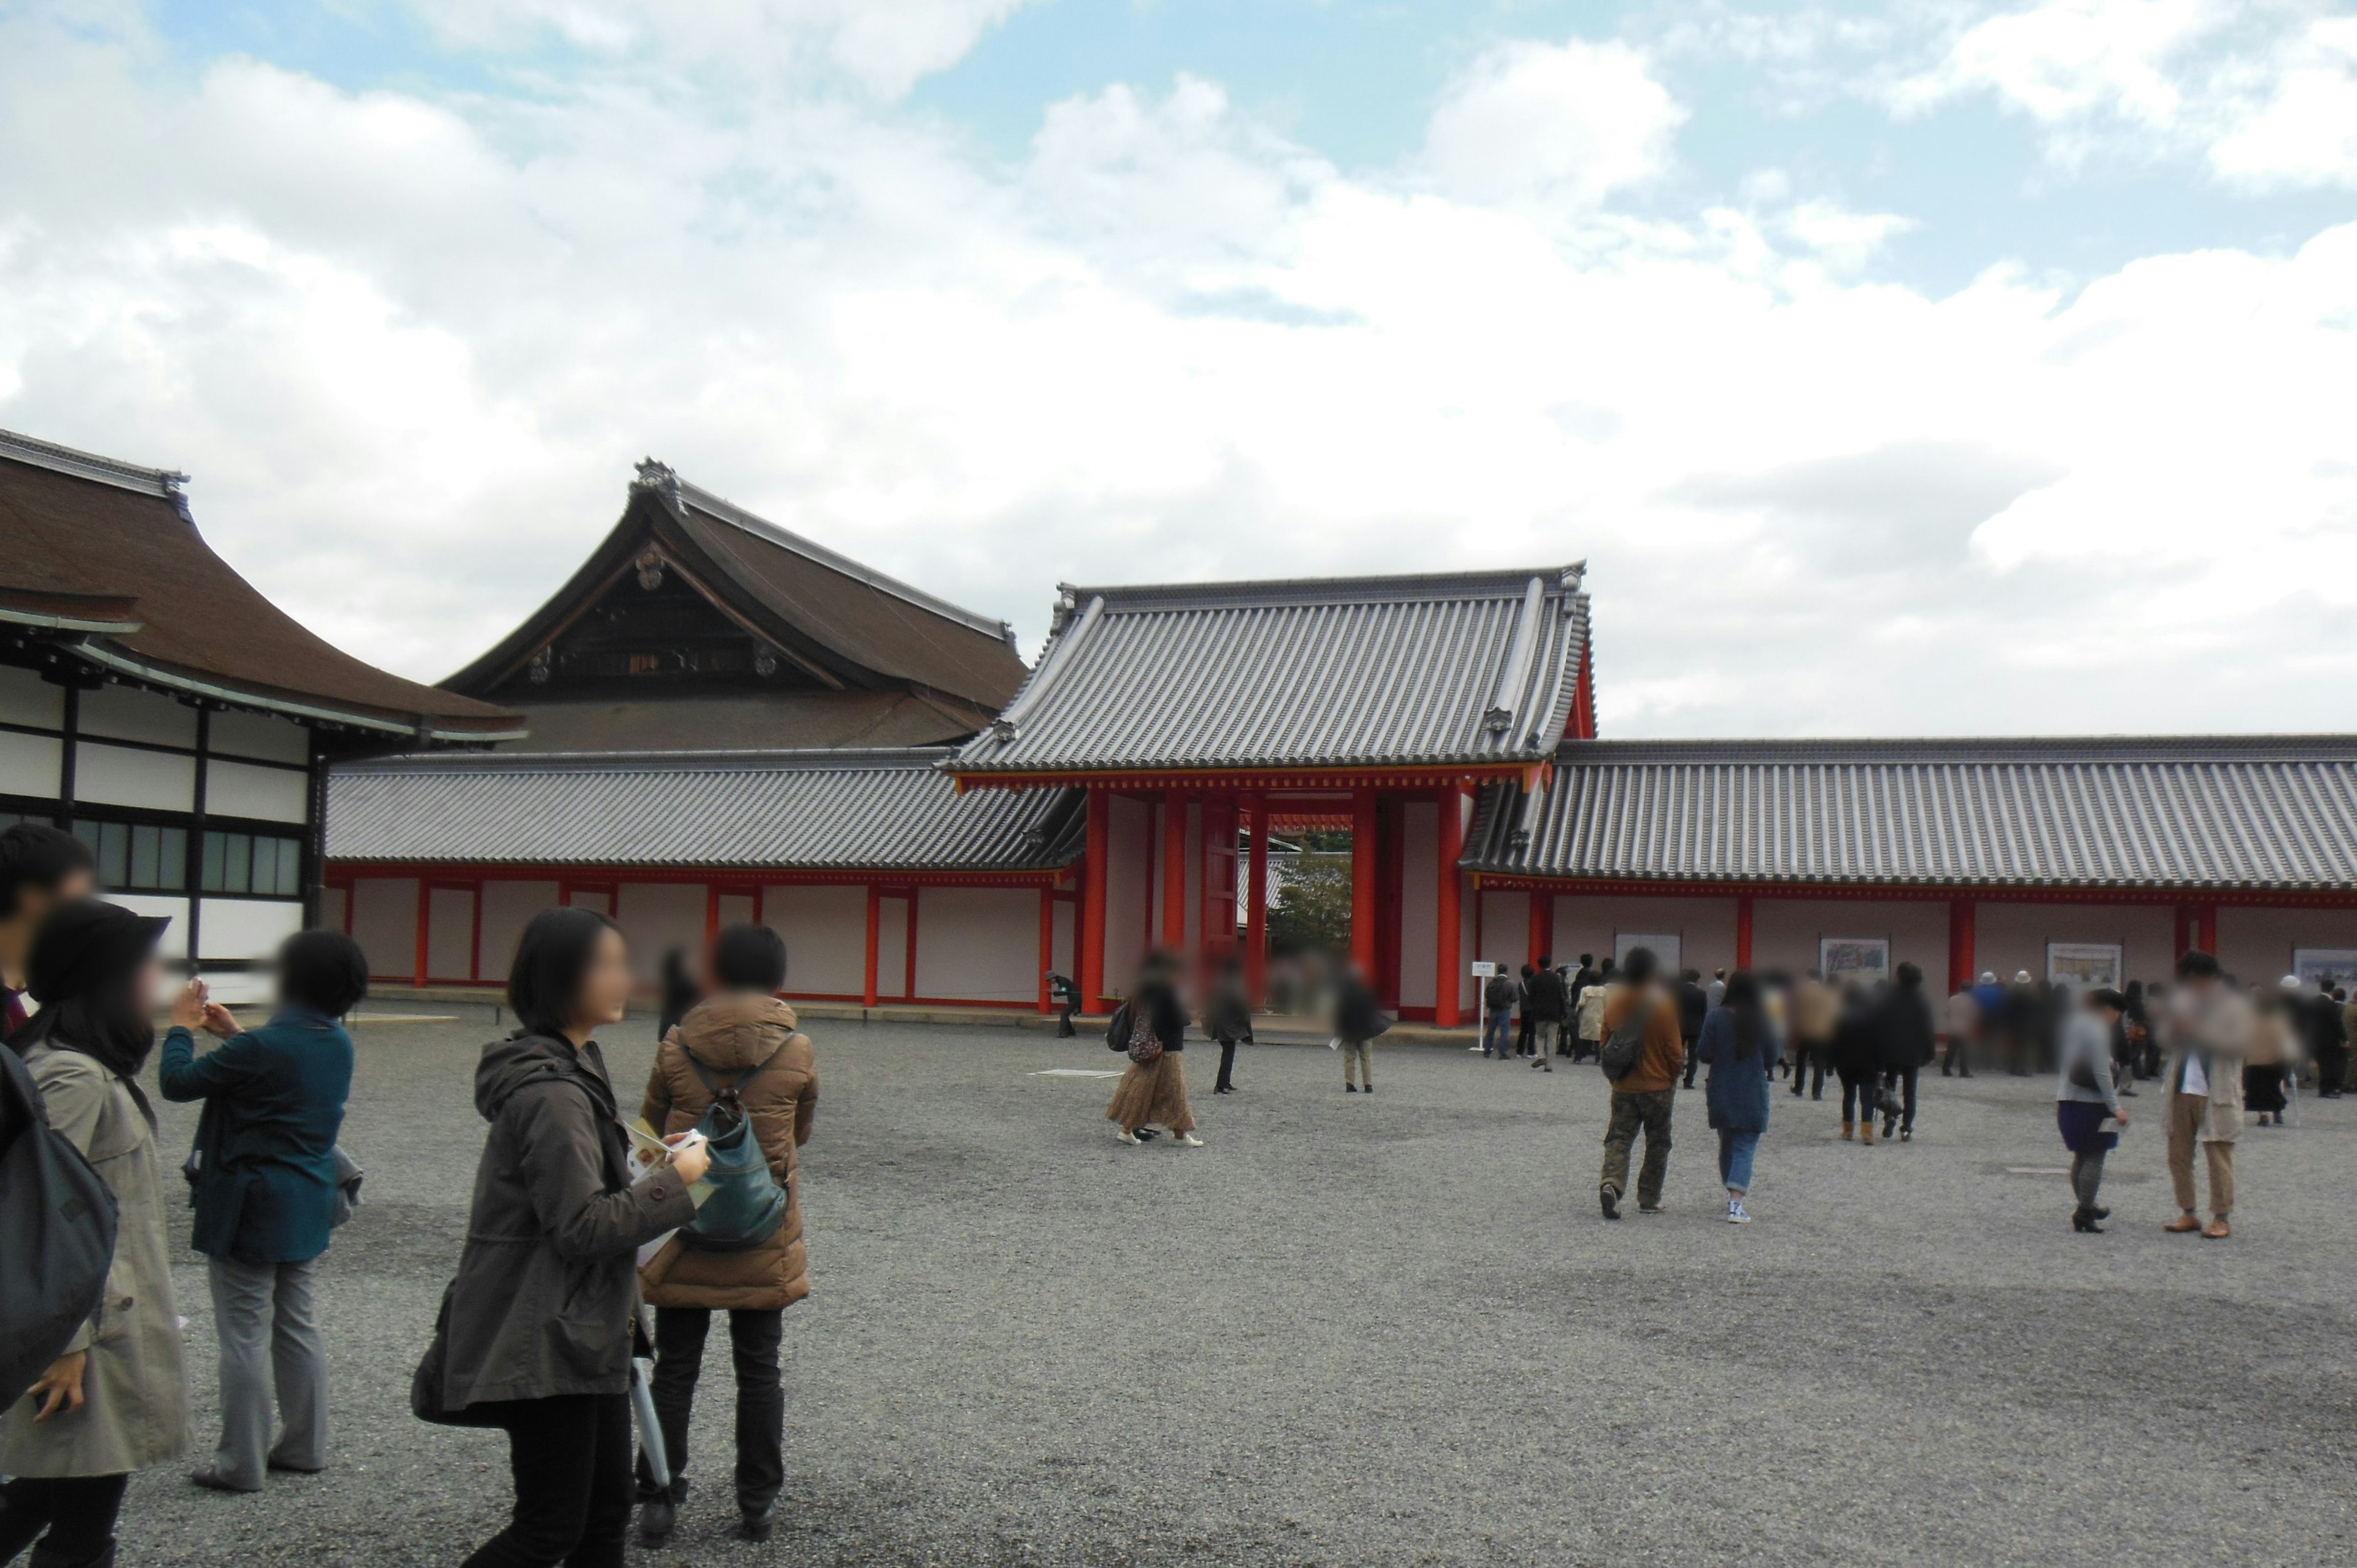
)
(604, 984)
(147, 986)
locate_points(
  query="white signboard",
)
(1483, 968)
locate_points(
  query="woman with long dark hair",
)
(539, 1334)
(118, 1400)
(1740, 1046)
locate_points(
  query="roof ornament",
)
(1497, 721)
(765, 662)
(650, 565)
(1035, 838)
(1004, 730)
(1068, 599)
(658, 478)
(1572, 574)
(537, 670)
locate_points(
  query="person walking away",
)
(2209, 1029)
(1522, 1000)
(1739, 1044)
(1498, 994)
(40, 868)
(1962, 1018)
(1152, 1027)
(1858, 1063)
(1817, 1011)
(1546, 1004)
(2277, 1041)
(265, 1199)
(2326, 1037)
(1575, 986)
(1228, 1019)
(538, 1328)
(1693, 1007)
(1358, 1021)
(1714, 993)
(1594, 1004)
(743, 1046)
(118, 1400)
(1643, 1097)
(2085, 1097)
(1903, 1044)
(680, 992)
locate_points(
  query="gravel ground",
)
(1394, 1330)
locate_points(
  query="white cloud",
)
(409, 346)
(1551, 123)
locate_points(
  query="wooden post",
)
(424, 924)
(1047, 948)
(1448, 986)
(711, 914)
(1090, 914)
(2206, 928)
(1174, 870)
(875, 935)
(1256, 902)
(1362, 882)
(1964, 918)
(1743, 932)
(1542, 925)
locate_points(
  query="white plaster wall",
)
(128, 713)
(595, 899)
(978, 944)
(891, 947)
(245, 790)
(175, 944)
(1129, 870)
(507, 909)
(27, 699)
(333, 910)
(1506, 930)
(30, 765)
(1066, 959)
(1785, 932)
(1419, 902)
(450, 934)
(825, 928)
(1705, 928)
(742, 910)
(2008, 938)
(384, 922)
(657, 916)
(119, 776)
(2257, 944)
(249, 928)
(259, 734)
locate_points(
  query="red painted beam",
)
(1743, 933)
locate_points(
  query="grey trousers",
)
(268, 1326)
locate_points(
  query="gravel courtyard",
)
(1394, 1330)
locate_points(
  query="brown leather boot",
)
(1865, 1130)
(1850, 1130)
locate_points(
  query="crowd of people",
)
(595, 1251)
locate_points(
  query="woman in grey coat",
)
(2085, 1097)
(118, 1400)
(538, 1339)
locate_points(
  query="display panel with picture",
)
(1863, 960)
(1666, 946)
(2325, 967)
(2086, 966)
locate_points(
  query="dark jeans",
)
(1692, 1062)
(753, 1338)
(1958, 1062)
(1494, 1030)
(1227, 1071)
(2331, 1068)
(1806, 1060)
(1901, 1078)
(78, 1511)
(570, 1457)
(1858, 1088)
(1522, 1035)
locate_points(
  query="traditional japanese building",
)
(157, 705)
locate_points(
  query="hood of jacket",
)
(734, 1031)
(508, 1064)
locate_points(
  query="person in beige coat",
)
(2211, 1026)
(117, 1401)
(741, 1042)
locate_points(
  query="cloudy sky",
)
(1935, 367)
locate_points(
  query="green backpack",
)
(747, 1203)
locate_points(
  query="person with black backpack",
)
(736, 1057)
(1642, 1054)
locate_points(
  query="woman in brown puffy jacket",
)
(742, 1039)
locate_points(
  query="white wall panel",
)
(127, 714)
(29, 764)
(1067, 959)
(335, 909)
(384, 922)
(1506, 930)
(1705, 928)
(119, 776)
(1786, 933)
(507, 909)
(2255, 944)
(656, 918)
(450, 934)
(978, 944)
(738, 909)
(891, 947)
(1129, 870)
(2008, 938)
(246, 928)
(1419, 902)
(244, 789)
(27, 699)
(260, 734)
(825, 928)
(175, 944)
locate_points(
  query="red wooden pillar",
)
(1047, 948)
(425, 925)
(1362, 881)
(1092, 912)
(1964, 918)
(1542, 925)
(1743, 932)
(1174, 870)
(2205, 929)
(875, 936)
(1450, 913)
(1256, 901)
(711, 914)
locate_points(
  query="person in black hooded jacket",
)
(1905, 1039)
(539, 1334)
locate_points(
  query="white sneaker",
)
(1736, 1213)
(1127, 1136)
(1188, 1139)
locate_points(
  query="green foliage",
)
(1312, 909)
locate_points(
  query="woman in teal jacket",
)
(265, 1171)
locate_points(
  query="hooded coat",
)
(731, 1035)
(548, 1282)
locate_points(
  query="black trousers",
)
(1859, 1089)
(1901, 1078)
(570, 1457)
(1810, 1059)
(77, 1512)
(1227, 1067)
(1691, 1062)
(753, 1338)
(2331, 1068)
(1522, 1035)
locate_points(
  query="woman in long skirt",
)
(1153, 1093)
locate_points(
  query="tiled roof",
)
(2259, 811)
(824, 809)
(1367, 672)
